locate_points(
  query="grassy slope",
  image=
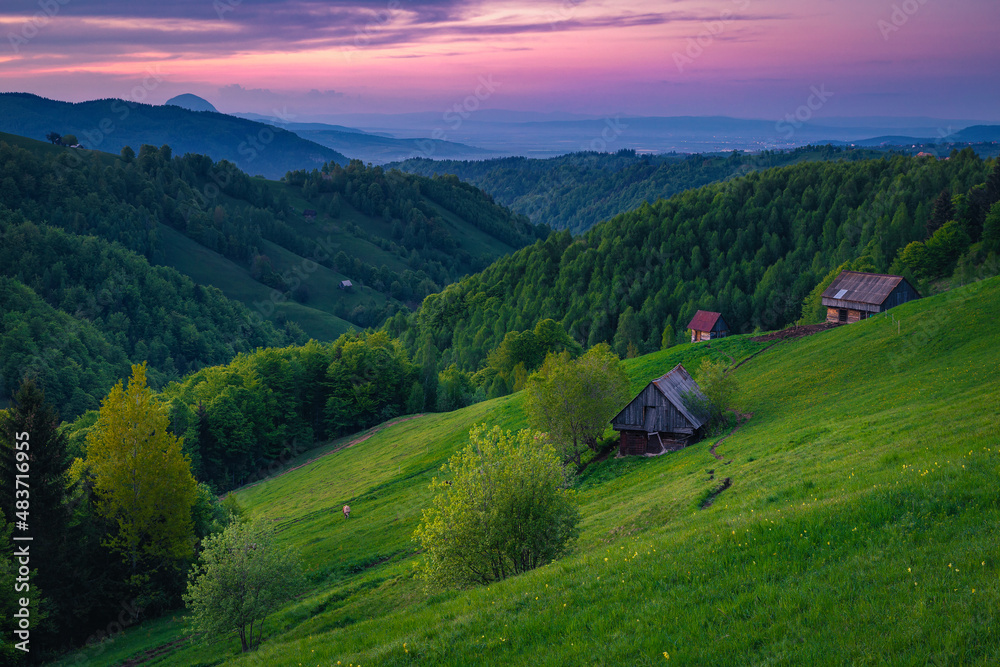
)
(210, 268)
(44, 147)
(860, 526)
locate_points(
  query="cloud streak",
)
(599, 56)
(92, 29)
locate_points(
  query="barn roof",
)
(871, 288)
(704, 320)
(674, 385)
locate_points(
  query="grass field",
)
(860, 526)
(207, 267)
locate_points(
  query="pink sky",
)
(746, 58)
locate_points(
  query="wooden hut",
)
(854, 296)
(706, 325)
(658, 420)
(346, 285)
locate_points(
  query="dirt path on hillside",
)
(361, 438)
(776, 337)
(741, 419)
(153, 653)
(743, 361)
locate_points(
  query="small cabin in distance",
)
(658, 419)
(706, 325)
(346, 285)
(855, 296)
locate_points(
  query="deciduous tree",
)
(505, 510)
(719, 388)
(573, 400)
(143, 481)
(242, 576)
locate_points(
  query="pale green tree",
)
(506, 509)
(718, 386)
(142, 479)
(242, 576)
(574, 400)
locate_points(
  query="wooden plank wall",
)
(668, 418)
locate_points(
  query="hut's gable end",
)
(706, 325)
(720, 326)
(660, 407)
(651, 412)
(873, 292)
(904, 292)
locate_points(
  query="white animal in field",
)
(347, 511)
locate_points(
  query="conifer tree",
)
(34, 425)
(942, 212)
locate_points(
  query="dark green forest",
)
(239, 418)
(85, 231)
(78, 309)
(753, 248)
(578, 190)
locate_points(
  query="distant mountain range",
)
(271, 146)
(968, 135)
(111, 124)
(378, 147)
(513, 133)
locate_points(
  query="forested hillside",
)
(578, 190)
(84, 230)
(752, 248)
(77, 309)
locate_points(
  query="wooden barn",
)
(657, 420)
(346, 285)
(854, 296)
(706, 325)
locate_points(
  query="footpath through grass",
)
(860, 526)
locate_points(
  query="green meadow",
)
(859, 528)
(210, 268)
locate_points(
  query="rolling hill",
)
(276, 252)
(578, 190)
(111, 124)
(858, 528)
(752, 248)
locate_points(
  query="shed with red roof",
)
(706, 325)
